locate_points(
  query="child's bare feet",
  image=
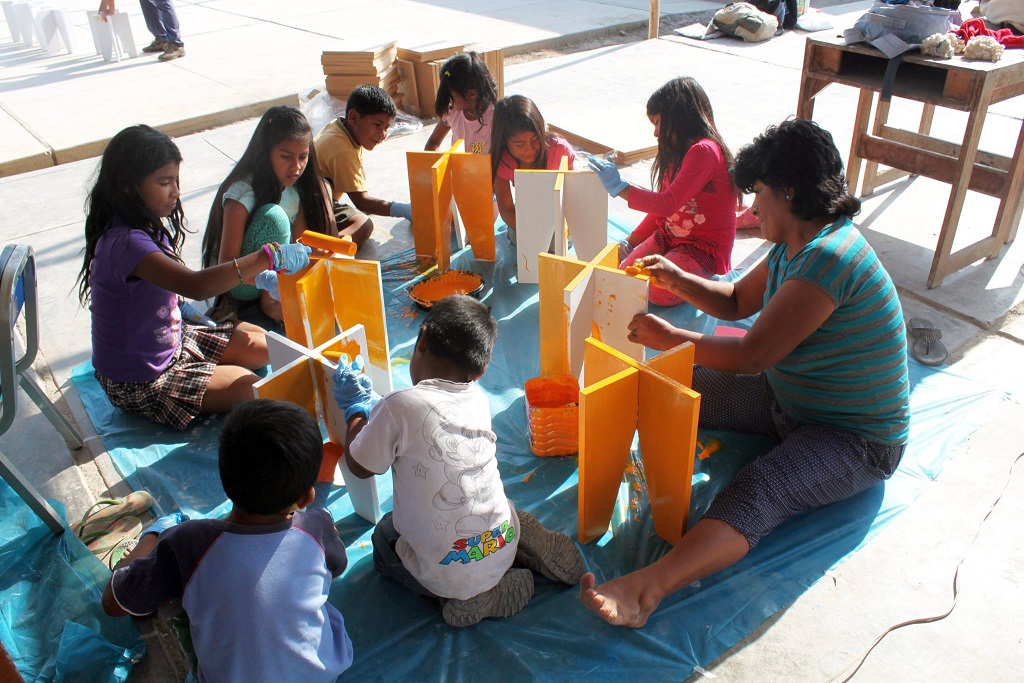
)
(624, 601)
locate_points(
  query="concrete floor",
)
(906, 572)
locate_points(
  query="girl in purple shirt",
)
(153, 354)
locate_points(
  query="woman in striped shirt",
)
(823, 368)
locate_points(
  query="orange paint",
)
(429, 291)
(713, 446)
(552, 415)
(635, 270)
(348, 348)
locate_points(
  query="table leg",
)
(961, 182)
(871, 167)
(1011, 204)
(860, 126)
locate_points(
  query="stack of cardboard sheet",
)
(374, 66)
(420, 67)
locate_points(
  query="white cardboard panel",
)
(586, 213)
(538, 211)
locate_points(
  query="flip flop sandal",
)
(927, 347)
(119, 552)
(102, 541)
(108, 510)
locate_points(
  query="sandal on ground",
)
(108, 510)
(102, 541)
(926, 342)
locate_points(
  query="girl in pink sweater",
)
(691, 217)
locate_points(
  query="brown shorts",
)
(175, 397)
(343, 214)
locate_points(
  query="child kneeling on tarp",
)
(255, 584)
(453, 534)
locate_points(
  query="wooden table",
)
(956, 83)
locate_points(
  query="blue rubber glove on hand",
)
(353, 391)
(190, 314)
(292, 258)
(164, 523)
(608, 174)
(267, 281)
(400, 210)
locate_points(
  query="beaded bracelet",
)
(238, 270)
(270, 255)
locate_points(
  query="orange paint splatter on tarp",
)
(714, 445)
(526, 479)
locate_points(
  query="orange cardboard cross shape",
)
(435, 179)
(622, 396)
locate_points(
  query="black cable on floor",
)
(843, 676)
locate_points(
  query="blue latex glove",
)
(353, 390)
(400, 210)
(164, 523)
(608, 174)
(267, 281)
(189, 313)
(292, 258)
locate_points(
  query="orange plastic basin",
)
(553, 415)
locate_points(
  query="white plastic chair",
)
(17, 292)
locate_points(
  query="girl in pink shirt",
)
(520, 139)
(691, 217)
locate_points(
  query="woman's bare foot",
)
(624, 601)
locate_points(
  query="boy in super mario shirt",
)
(453, 534)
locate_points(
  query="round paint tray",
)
(429, 291)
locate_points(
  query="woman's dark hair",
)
(132, 154)
(686, 118)
(799, 157)
(464, 72)
(277, 125)
(512, 115)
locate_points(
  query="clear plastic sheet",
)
(400, 637)
(320, 108)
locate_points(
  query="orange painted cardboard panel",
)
(441, 184)
(601, 361)
(668, 435)
(314, 290)
(675, 363)
(606, 432)
(555, 273)
(421, 193)
(294, 328)
(359, 300)
(294, 383)
(473, 189)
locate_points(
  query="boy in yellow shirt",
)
(339, 152)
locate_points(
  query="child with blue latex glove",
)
(453, 536)
(369, 112)
(255, 584)
(154, 355)
(691, 216)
